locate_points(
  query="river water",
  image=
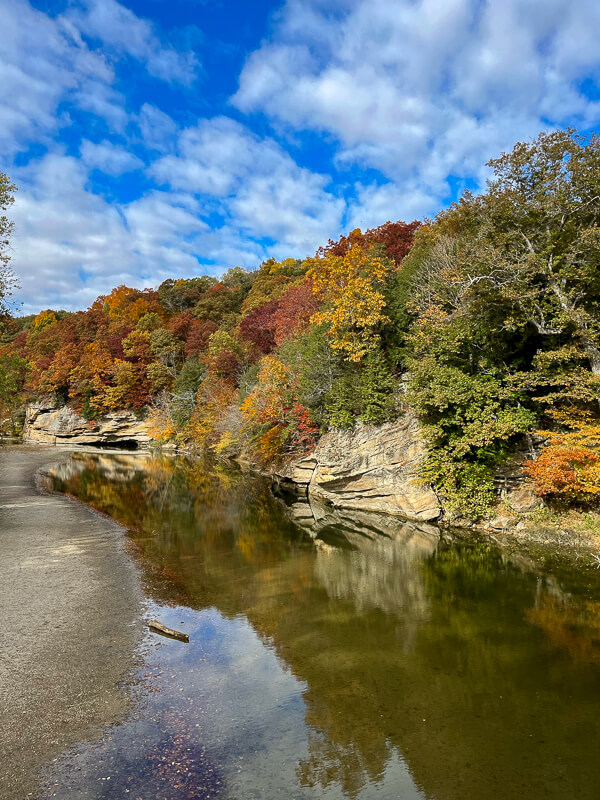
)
(335, 656)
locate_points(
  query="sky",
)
(163, 139)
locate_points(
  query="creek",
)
(335, 655)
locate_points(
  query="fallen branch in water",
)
(158, 627)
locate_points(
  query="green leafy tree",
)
(165, 347)
(376, 389)
(7, 279)
(532, 241)
(506, 299)
(315, 367)
(13, 371)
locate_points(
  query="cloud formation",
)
(425, 90)
(134, 165)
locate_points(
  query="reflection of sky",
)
(224, 711)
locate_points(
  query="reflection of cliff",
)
(113, 467)
(382, 569)
(461, 662)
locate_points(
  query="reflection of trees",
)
(447, 654)
(574, 626)
(195, 524)
(331, 762)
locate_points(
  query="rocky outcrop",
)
(45, 423)
(370, 468)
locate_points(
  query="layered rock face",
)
(370, 468)
(47, 424)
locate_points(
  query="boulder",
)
(523, 500)
(501, 523)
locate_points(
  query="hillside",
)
(485, 320)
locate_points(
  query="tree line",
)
(485, 320)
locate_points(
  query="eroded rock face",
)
(45, 423)
(371, 468)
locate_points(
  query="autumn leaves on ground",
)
(485, 320)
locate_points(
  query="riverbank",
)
(371, 468)
(72, 616)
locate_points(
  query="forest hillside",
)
(484, 320)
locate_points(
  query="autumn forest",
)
(485, 320)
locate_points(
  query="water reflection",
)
(338, 655)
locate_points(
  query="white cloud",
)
(375, 204)
(71, 245)
(120, 29)
(423, 91)
(43, 61)
(109, 158)
(157, 129)
(259, 187)
(427, 89)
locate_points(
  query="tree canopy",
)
(485, 319)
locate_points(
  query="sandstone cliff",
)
(45, 423)
(370, 468)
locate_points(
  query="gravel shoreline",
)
(71, 606)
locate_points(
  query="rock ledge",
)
(45, 423)
(370, 468)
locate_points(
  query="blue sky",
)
(170, 138)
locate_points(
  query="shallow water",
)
(335, 656)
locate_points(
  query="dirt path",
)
(70, 614)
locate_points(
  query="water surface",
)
(335, 656)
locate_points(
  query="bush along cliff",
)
(483, 324)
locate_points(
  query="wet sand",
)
(71, 607)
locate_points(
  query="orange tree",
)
(568, 467)
(275, 419)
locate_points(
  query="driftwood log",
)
(158, 627)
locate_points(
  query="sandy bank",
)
(71, 622)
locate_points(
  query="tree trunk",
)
(593, 354)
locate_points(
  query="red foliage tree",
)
(296, 307)
(20, 340)
(396, 238)
(114, 344)
(258, 326)
(197, 338)
(181, 324)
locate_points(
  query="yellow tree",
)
(352, 284)
(266, 409)
(44, 319)
(271, 397)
